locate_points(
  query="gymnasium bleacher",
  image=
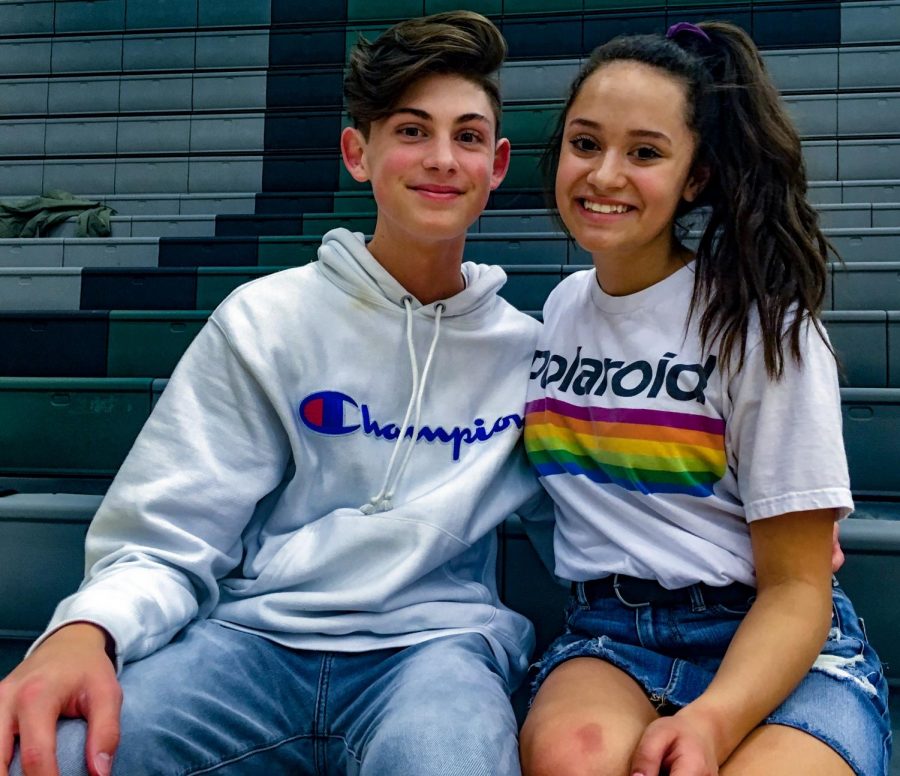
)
(211, 126)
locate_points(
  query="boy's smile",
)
(432, 163)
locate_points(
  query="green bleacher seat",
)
(34, 18)
(871, 431)
(117, 288)
(155, 51)
(802, 70)
(149, 343)
(528, 285)
(886, 214)
(161, 14)
(229, 91)
(40, 288)
(90, 54)
(215, 283)
(89, 94)
(869, 67)
(70, 426)
(96, 16)
(377, 10)
(870, 22)
(537, 80)
(866, 285)
(869, 159)
(875, 113)
(860, 339)
(894, 349)
(235, 13)
(159, 92)
(232, 49)
(286, 251)
(53, 344)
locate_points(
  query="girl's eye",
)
(646, 153)
(584, 144)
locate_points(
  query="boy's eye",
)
(469, 136)
(646, 153)
(410, 131)
(584, 144)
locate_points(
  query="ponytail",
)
(762, 247)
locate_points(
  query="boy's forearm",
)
(771, 652)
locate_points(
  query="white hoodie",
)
(265, 491)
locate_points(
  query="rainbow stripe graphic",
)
(649, 451)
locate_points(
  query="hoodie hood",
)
(346, 262)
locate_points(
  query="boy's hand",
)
(675, 746)
(69, 675)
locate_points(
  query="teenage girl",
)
(684, 414)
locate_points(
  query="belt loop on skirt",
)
(698, 603)
(580, 594)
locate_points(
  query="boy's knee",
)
(70, 741)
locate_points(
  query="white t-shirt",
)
(658, 458)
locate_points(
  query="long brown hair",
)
(762, 248)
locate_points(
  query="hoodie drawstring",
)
(382, 501)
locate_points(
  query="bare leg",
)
(773, 750)
(586, 719)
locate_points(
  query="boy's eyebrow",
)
(425, 116)
(631, 133)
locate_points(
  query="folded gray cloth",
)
(36, 216)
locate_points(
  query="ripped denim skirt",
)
(674, 649)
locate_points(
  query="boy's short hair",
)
(462, 43)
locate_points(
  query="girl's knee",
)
(577, 748)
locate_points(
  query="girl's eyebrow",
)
(595, 125)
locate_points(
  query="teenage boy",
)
(294, 570)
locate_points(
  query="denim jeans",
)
(220, 701)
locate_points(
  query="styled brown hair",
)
(761, 248)
(462, 43)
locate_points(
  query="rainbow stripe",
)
(649, 451)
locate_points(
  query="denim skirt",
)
(674, 651)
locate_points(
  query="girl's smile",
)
(625, 165)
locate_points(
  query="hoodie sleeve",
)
(170, 526)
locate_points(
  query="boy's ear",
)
(696, 182)
(501, 162)
(353, 151)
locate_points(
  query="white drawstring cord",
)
(374, 503)
(386, 501)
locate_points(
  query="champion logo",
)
(336, 414)
(324, 412)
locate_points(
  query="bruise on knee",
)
(589, 738)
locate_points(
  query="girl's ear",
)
(696, 182)
(353, 151)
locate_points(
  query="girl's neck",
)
(620, 275)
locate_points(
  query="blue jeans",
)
(220, 701)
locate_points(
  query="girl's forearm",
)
(773, 649)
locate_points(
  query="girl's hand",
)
(677, 746)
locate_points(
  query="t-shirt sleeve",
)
(785, 436)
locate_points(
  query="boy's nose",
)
(441, 155)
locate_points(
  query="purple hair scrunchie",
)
(687, 27)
